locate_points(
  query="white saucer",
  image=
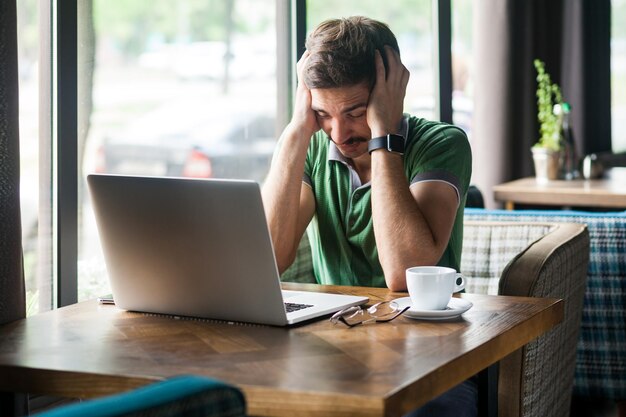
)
(456, 307)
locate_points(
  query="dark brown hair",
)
(342, 52)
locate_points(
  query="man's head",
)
(342, 52)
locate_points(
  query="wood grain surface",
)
(607, 193)
(315, 369)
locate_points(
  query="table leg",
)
(488, 391)
(12, 404)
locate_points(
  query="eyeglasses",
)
(379, 312)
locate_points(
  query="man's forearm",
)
(403, 235)
(281, 195)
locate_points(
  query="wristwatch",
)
(392, 143)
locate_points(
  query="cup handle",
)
(459, 282)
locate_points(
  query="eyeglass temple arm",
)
(399, 312)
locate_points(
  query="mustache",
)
(350, 141)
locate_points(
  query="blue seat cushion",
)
(186, 396)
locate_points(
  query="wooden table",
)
(602, 193)
(316, 369)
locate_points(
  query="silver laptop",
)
(198, 248)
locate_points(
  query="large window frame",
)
(291, 21)
(66, 151)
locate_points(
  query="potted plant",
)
(547, 152)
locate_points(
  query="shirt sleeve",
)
(439, 152)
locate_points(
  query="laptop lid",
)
(195, 247)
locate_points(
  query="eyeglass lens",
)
(383, 311)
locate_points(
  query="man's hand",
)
(403, 215)
(303, 120)
(386, 102)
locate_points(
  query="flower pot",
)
(547, 164)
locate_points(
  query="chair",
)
(183, 396)
(601, 353)
(474, 198)
(532, 260)
(301, 270)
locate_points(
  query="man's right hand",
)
(303, 120)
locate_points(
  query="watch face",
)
(391, 143)
(395, 143)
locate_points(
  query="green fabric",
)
(341, 233)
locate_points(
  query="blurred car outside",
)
(187, 140)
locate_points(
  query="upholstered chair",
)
(532, 259)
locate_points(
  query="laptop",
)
(199, 248)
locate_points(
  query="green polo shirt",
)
(341, 233)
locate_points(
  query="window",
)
(168, 88)
(35, 194)
(184, 88)
(462, 65)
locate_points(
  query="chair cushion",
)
(489, 247)
(184, 396)
(302, 268)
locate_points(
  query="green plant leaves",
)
(548, 94)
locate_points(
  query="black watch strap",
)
(392, 143)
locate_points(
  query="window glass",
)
(618, 75)
(185, 88)
(462, 65)
(36, 238)
(411, 22)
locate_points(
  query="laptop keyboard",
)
(291, 307)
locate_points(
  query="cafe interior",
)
(178, 89)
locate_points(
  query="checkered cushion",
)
(488, 250)
(601, 352)
(302, 268)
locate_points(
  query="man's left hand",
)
(386, 102)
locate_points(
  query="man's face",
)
(341, 113)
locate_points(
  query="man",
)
(383, 191)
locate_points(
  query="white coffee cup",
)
(431, 287)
